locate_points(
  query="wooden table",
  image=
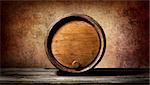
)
(54, 76)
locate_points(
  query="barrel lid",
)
(75, 43)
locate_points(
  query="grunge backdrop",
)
(24, 26)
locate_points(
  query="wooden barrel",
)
(75, 43)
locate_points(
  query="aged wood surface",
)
(54, 76)
(76, 44)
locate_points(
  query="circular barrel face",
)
(75, 44)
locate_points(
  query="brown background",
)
(24, 26)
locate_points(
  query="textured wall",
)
(25, 25)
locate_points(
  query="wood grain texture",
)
(54, 76)
(76, 44)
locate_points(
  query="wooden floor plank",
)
(54, 76)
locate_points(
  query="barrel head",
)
(75, 43)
